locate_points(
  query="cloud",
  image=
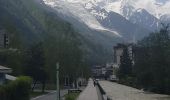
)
(162, 1)
(155, 7)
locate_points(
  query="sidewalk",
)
(90, 92)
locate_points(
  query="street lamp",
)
(57, 82)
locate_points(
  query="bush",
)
(16, 90)
(129, 81)
(71, 96)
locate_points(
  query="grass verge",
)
(71, 96)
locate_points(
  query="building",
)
(118, 51)
(103, 72)
(3, 74)
(97, 71)
(4, 39)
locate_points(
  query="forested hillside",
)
(28, 24)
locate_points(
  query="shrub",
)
(16, 90)
(71, 96)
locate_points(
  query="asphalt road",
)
(50, 96)
(121, 92)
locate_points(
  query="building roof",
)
(9, 77)
(5, 69)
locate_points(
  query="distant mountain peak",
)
(99, 14)
(155, 7)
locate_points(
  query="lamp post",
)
(57, 82)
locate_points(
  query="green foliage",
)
(29, 23)
(16, 90)
(35, 64)
(12, 58)
(128, 80)
(152, 64)
(71, 96)
(35, 61)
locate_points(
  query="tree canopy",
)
(152, 65)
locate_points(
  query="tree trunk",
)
(43, 86)
(34, 85)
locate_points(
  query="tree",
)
(35, 63)
(69, 52)
(152, 63)
(125, 68)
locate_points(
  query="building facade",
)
(118, 52)
(104, 71)
(4, 39)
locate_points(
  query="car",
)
(113, 78)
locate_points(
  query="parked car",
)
(113, 78)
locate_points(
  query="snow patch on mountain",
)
(75, 9)
(145, 13)
(154, 7)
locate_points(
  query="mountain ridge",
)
(132, 10)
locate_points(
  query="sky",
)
(155, 7)
(162, 1)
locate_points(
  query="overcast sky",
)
(163, 1)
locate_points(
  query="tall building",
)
(4, 39)
(118, 51)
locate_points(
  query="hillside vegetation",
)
(28, 24)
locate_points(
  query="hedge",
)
(16, 90)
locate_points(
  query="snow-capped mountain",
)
(146, 13)
(155, 7)
(75, 9)
(117, 16)
(165, 18)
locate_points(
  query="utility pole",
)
(57, 82)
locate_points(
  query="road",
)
(50, 96)
(121, 92)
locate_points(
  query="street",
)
(121, 92)
(50, 96)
